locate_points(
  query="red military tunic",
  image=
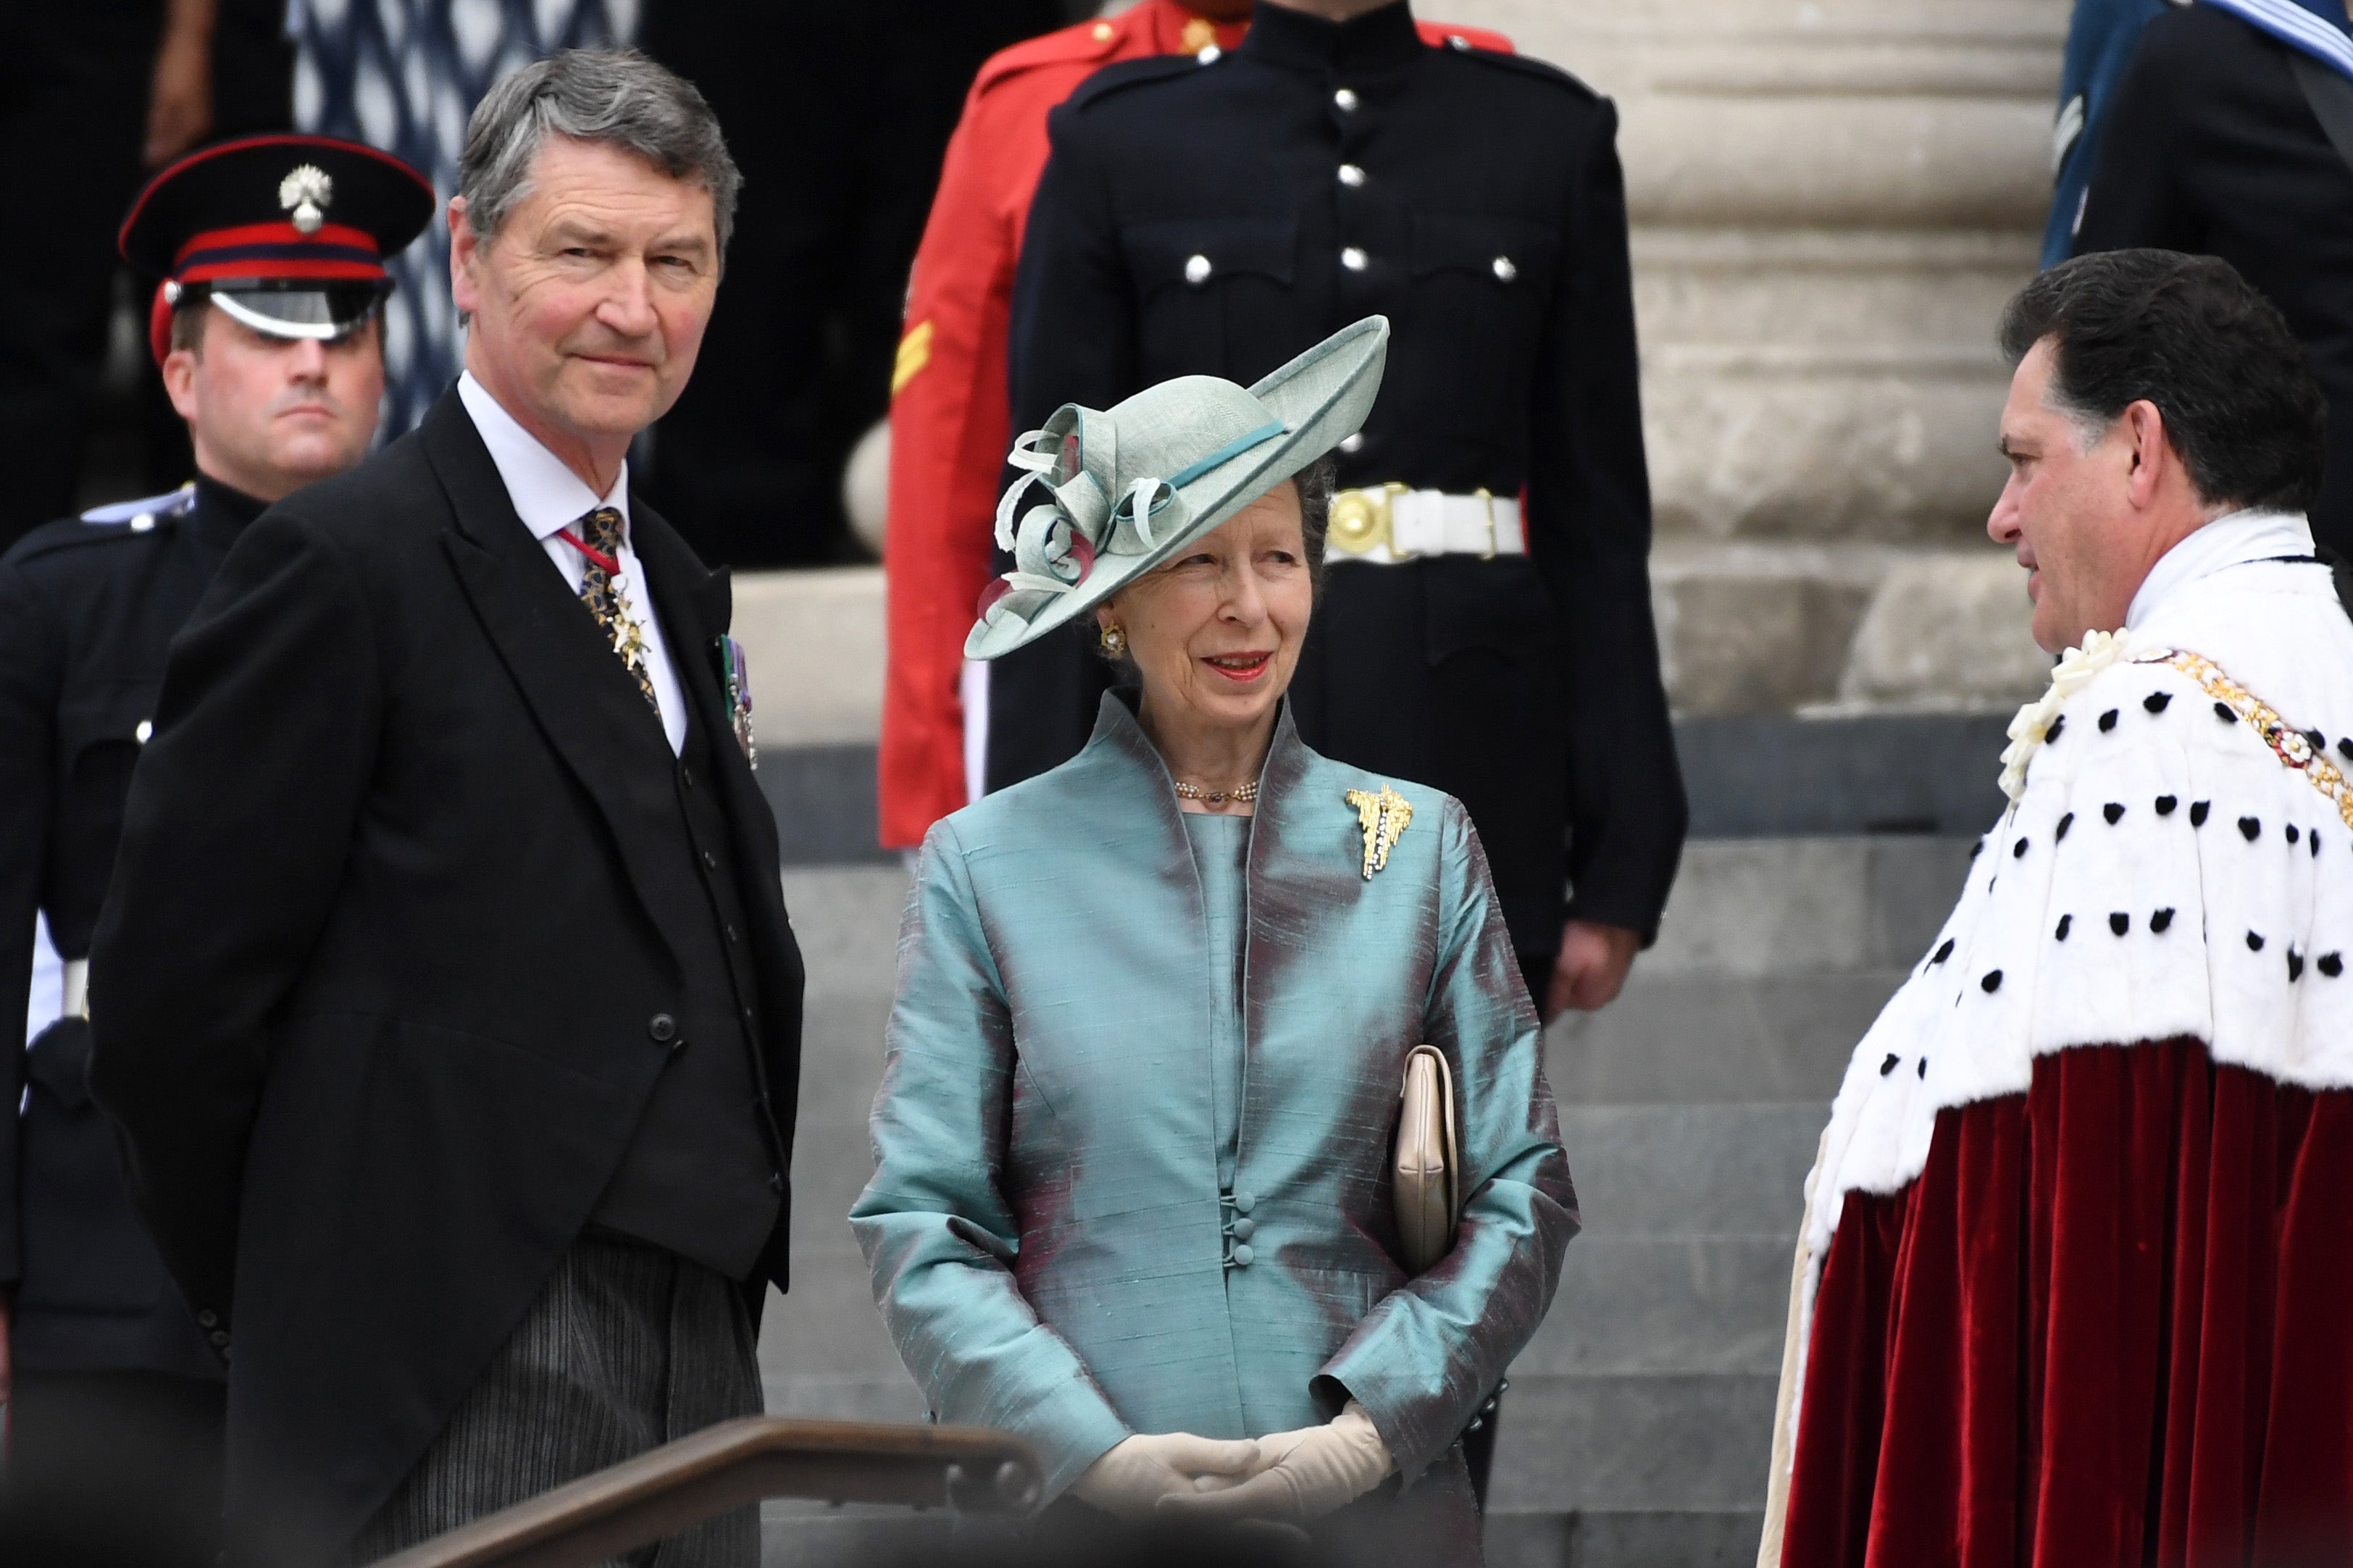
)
(949, 422)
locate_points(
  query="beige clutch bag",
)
(1425, 1173)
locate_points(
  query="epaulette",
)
(1078, 44)
(1127, 74)
(1542, 70)
(138, 516)
(1446, 35)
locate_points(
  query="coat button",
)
(663, 1028)
(1351, 175)
(1505, 270)
(1344, 100)
(1354, 259)
(731, 935)
(145, 730)
(686, 774)
(218, 1336)
(775, 1181)
(710, 861)
(1242, 1257)
(1244, 1229)
(1211, 55)
(1244, 1203)
(208, 1319)
(1196, 268)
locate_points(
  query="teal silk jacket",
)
(1047, 1236)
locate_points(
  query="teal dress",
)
(1138, 1101)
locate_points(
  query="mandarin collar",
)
(2234, 539)
(221, 512)
(1377, 40)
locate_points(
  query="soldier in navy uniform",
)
(265, 330)
(1487, 627)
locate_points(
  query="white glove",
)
(1138, 1471)
(1308, 1474)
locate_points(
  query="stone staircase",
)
(1638, 1426)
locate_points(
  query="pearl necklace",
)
(1240, 793)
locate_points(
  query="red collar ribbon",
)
(612, 567)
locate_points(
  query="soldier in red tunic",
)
(949, 418)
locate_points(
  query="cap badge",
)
(305, 192)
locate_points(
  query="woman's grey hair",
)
(617, 96)
(1316, 483)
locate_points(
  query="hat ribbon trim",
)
(1231, 450)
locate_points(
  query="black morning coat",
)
(1527, 688)
(382, 986)
(2212, 148)
(87, 609)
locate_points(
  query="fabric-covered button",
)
(1344, 100)
(1244, 1229)
(663, 1028)
(1354, 259)
(1505, 268)
(1351, 175)
(1244, 1203)
(1242, 1257)
(1196, 268)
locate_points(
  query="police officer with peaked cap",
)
(265, 326)
(1487, 622)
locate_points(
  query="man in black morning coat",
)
(1219, 215)
(276, 363)
(2215, 146)
(445, 992)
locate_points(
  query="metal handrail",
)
(726, 1466)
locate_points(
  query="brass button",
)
(1505, 270)
(1351, 175)
(1196, 268)
(1344, 100)
(1354, 259)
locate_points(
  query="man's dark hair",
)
(2192, 336)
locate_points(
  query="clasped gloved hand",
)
(1138, 1471)
(1304, 1474)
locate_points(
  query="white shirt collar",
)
(2233, 539)
(547, 496)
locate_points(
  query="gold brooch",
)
(1383, 817)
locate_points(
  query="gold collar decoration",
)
(1383, 817)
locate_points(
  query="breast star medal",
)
(1383, 815)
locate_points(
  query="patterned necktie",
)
(607, 598)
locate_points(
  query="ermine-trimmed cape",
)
(2174, 867)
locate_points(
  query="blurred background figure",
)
(2231, 136)
(948, 415)
(838, 174)
(93, 96)
(274, 362)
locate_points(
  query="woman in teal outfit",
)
(1132, 1197)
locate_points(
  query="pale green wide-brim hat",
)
(1134, 484)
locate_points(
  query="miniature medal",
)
(1383, 815)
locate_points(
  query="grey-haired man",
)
(446, 991)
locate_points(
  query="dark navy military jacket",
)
(87, 609)
(1219, 218)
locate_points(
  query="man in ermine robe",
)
(2076, 1284)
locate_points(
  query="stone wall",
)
(1831, 199)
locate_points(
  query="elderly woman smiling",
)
(1133, 1194)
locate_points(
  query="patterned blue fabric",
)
(1050, 1240)
(403, 75)
(2101, 38)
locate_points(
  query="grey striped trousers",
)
(627, 1347)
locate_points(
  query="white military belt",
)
(77, 989)
(1390, 523)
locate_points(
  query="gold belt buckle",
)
(1359, 519)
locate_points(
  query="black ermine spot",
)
(2155, 701)
(1944, 951)
(2065, 823)
(2160, 919)
(2252, 827)
(2291, 833)
(2295, 965)
(2332, 965)
(2066, 924)
(2254, 943)
(2226, 713)
(2113, 811)
(2108, 721)
(2120, 922)
(2018, 850)
(1992, 983)
(2165, 805)
(1888, 1066)
(2198, 810)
